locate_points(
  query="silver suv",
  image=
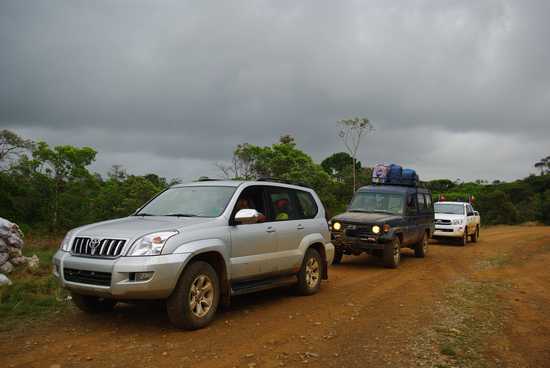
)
(198, 244)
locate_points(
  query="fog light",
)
(141, 276)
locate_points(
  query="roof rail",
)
(206, 178)
(283, 181)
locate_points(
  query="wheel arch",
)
(320, 248)
(217, 261)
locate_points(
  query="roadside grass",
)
(33, 294)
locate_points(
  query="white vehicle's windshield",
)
(377, 202)
(449, 208)
(193, 201)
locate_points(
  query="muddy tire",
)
(309, 277)
(92, 304)
(392, 254)
(464, 240)
(475, 236)
(195, 299)
(421, 248)
(338, 254)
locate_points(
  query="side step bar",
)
(253, 286)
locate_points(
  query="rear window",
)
(307, 206)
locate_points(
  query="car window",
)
(377, 202)
(428, 201)
(252, 198)
(449, 208)
(411, 205)
(307, 206)
(191, 201)
(282, 205)
(421, 202)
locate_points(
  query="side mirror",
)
(247, 216)
(476, 213)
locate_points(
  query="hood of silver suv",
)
(136, 226)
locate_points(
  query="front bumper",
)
(165, 273)
(353, 244)
(450, 231)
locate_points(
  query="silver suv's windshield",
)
(192, 201)
(449, 208)
(392, 203)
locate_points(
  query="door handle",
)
(270, 230)
(300, 227)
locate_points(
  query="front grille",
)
(97, 247)
(87, 277)
(442, 222)
(358, 231)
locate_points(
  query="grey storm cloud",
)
(455, 89)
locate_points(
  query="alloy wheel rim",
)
(201, 295)
(313, 272)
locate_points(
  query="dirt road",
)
(486, 304)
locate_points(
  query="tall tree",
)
(352, 132)
(12, 147)
(63, 164)
(337, 164)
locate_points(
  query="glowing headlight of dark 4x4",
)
(376, 229)
(337, 226)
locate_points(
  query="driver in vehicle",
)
(246, 204)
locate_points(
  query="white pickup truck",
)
(456, 220)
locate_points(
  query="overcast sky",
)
(455, 89)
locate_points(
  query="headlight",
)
(337, 226)
(66, 243)
(151, 244)
(376, 229)
(457, 222)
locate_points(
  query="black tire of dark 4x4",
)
(392, 253)
(93, 304)
(421, 248)
(338, 254)
(178, 304)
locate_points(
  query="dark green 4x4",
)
(382, 219)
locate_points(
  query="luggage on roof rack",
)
(394, 175)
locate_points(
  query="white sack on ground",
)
(11, 243)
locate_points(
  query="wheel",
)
(338, 254)
(392, 253)
(464, 239)
(421, 248)
(475, 236)
(195, 299)
(309, 277)
(92, 304)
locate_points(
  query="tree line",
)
(51, 189)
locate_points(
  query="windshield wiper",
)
(182, 215)
(358, 211)
(143, 214)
